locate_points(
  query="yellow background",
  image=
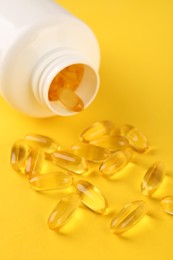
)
(136, 44)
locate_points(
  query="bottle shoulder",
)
(48, 33)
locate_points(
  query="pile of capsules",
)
(102, 144)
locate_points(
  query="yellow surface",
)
(136, 87)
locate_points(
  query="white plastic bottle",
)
(38, 39)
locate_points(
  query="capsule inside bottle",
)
(128, 216)
(153, 178)
(91, 196)
(64, 85)
(70, 99)
(63, 211)
(70, 77)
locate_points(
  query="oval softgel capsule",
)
(91, 196)
(34, 162)
(96, 130)
(51, 181)
(166, 204)
(112, 142)
(19, 154)
(136, 138)
(153, 178)
(26, 159)
(90, 152)
(115, 163)
(128, 216)
(70, 161)
(47, 144)
(63, 211)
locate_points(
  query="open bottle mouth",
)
(66, 85)
(72, 89)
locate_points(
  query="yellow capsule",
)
(129, 216)
(63, 211)
(115, 162)
(47, 144)
(51, 181)
(125, 129)
(91, 152)
(91, 196)
(34, 162)
(63, 86)
(70, 99)
(96, 130)
(70, 161)
(112, 142)
(137, 140)
(153, 178)
(70, 77)
(58, 82)
(167, 204)
(19, 154)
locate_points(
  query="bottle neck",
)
(51, 65)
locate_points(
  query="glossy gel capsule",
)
(128, 216)
(112, 142)
(70, 161)
(167, 204)
(64, 85)
(91, 196)
(26, 159)
(19, 154)
(97, 129)
(70, 77)
(90, 152)
(70, 100)
(125, 129)
(153, 178)
(51, 181)
(47, 144)
(34, 162)
(137, 140)
(115, 163)
(63, 211)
